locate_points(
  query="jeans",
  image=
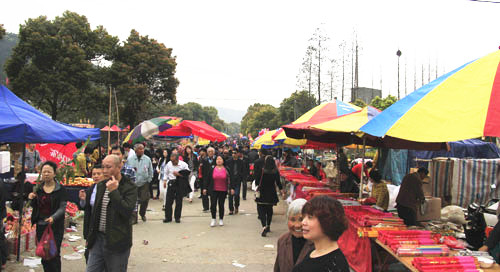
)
(265, 214)
(102, 259)
(217, 197)
(173, 194)
(244, 189)
(408, 215)
(236, 198)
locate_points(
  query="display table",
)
(73, 193)
(407, 261)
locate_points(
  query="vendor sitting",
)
(379, 190)
(348, 183)
(492, 244)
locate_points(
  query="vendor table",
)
(73, 193)
(407, 261)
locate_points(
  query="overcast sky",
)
(235, 53)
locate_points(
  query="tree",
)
(232, 128)
(2, 31)
(6, 45)
(318, 40)
(383, 104)
(360, 103)
(304, 78)
(259, 116)
(52, 65)
(294, 106)
(193, 111)
(143, 72)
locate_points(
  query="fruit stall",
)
(74, 185)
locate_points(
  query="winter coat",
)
(267, 188)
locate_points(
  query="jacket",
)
(381, 194)
(183, 183)
(143, 169)
(267, 188)
(239, 166)
(119, 211)
(210, 184)
(410, 193)
(284, 258)
(87, 211)
(58, 200)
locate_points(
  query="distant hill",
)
(230, 115)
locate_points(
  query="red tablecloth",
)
(356, 250)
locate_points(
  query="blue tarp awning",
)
(22, 123)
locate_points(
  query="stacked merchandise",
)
(367, 216)
(410, 243)
(372, 232)
(435, 264)
(28, 232)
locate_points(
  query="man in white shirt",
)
(128, 151)
(172, 169)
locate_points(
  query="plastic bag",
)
(46, 248)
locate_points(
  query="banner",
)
(56, 152)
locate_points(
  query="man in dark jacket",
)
(235, 166)
(246, 174)
(110, 232)
(206, 166)
(410, 196)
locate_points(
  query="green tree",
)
(52, 65)
(383, 104)
(143, 72)
(6, 45)
(259, 116)
(194, 111)
(360, 103)
(232, 128)
(294, 106)
(2, 31)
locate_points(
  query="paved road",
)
(192, 245)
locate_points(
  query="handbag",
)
(257, 191)
(46, 248)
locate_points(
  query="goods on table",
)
(422, 250)
(368, 216)
(434, 264)
(28, 232)
(78, 182)
(372, 232)
(71, 209)
(413, 243)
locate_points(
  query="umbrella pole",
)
(362, 169)
(21, 207)
(117, 116)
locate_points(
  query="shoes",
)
(264, 232)
(163, 208)
(212, 223)
(236, 211)
(221, 223)
(134, 218)
(206, 211)
(143, 217)
(268, 229)
(177, 220)
(166, 221)
(244, 198)
(231, 212)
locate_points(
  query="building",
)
(365, 94)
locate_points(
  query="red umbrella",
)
(115, 128)
(197, 128)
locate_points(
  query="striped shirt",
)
(104, 209)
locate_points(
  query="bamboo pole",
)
(109, 118)
(117, 115)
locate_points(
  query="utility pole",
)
(398, 53)
(343, 69)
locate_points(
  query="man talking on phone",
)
(110, 232)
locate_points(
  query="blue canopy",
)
(21, 123)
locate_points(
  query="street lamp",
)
(398, 53)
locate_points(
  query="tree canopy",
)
(143, 73)
(294, 106)
(383, 104)
(51, 66)
(259, 116)
(2, 31)
(360, 103)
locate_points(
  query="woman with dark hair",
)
(267, 196)
(155, 161)
(324, 221)
(219, 183)
(379, 190)
(192, 161)
(49, 205)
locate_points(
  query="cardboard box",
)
(433, 210)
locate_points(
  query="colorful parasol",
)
(319, 114)
(148, 128)
(462, 104)
(198, 128)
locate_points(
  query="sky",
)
(233, 54)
